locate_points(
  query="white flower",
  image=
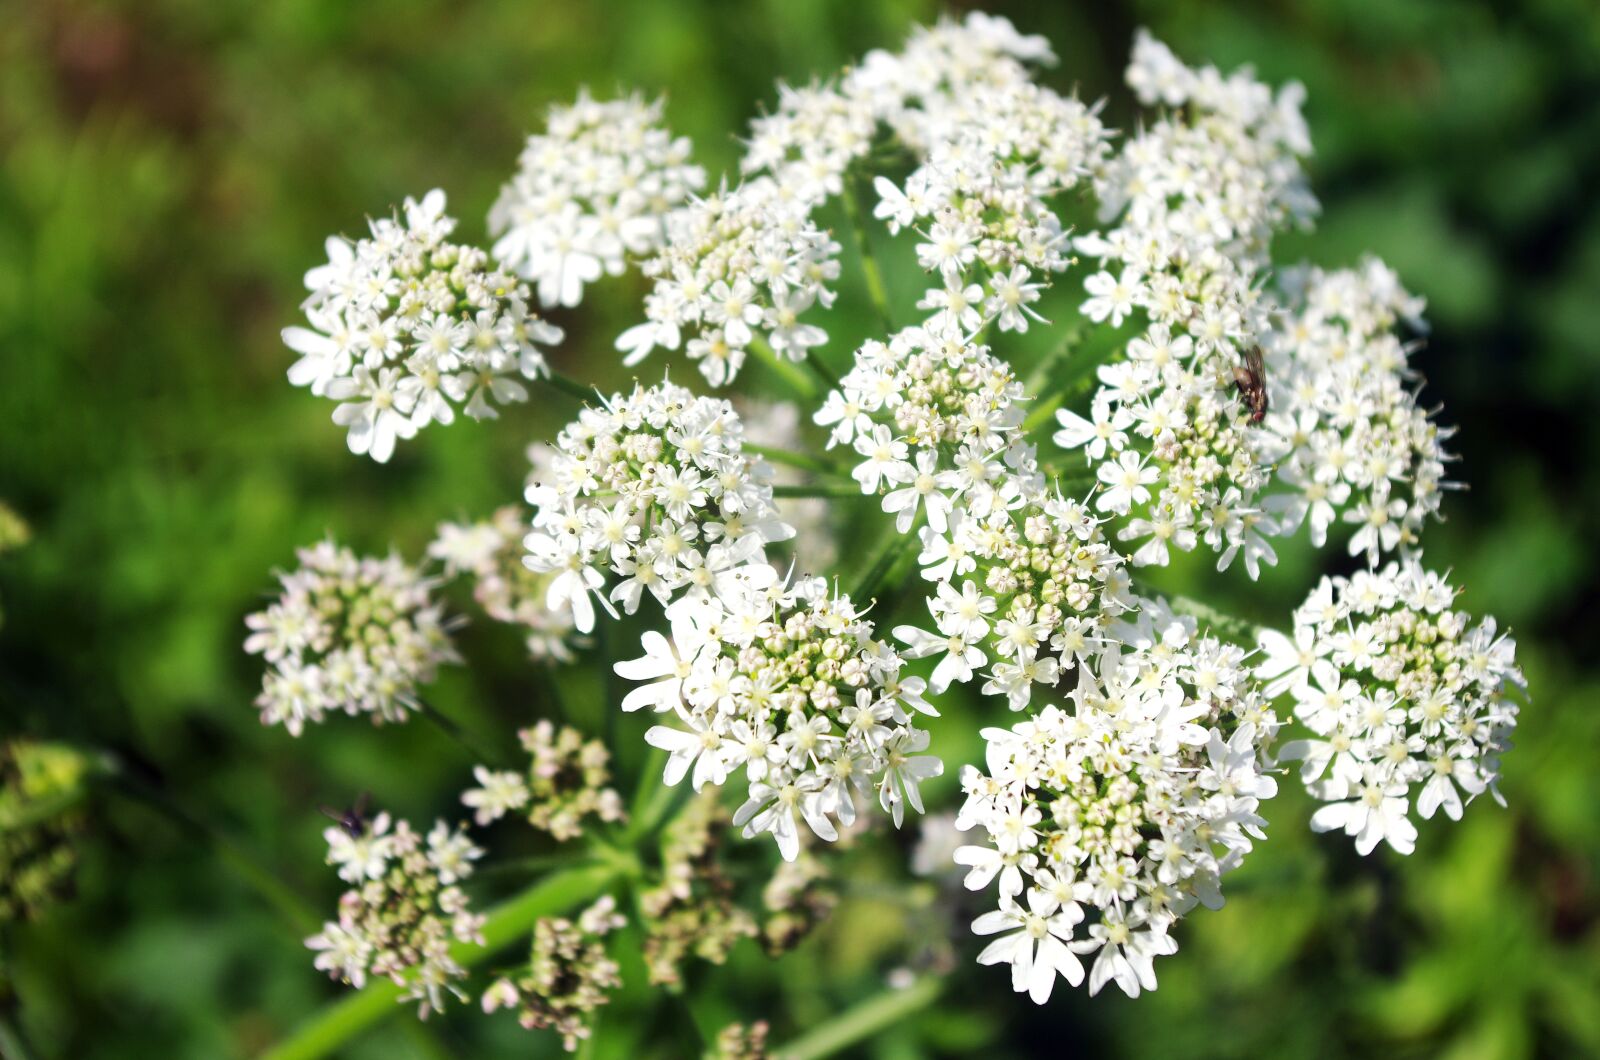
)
(1037, 947)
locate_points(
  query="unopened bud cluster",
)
(568, 976)
(566, 783)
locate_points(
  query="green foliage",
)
(168, 170)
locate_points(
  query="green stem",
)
(569, 386)
(801, 461)
(336, 1024)
(453, 729)
(863, 1021)
(1221, 624)
(889, 550)
(876, 290)
(791, 373)
(840, 490)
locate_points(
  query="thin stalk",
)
(801, 461)
(336, 1024)
(804, 386)
(823, 490)
(823, 373)
(569, 386)
(1222, 624)
(876, 290)
(453, 729)
(857, 1024)
(889, 550)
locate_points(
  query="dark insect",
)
(1251, 379)
(353, 820)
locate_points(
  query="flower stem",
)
(569, 386)
(453, 729)
(876, 290)
(840, 490)
(802, 461)
(889, 549)
(797, 378)
(336, 1024)
(863, 1021)
(1231, 627)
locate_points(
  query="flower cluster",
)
(404, 910)
(566, 782)
(491, 552)
(1125, 806)
(1024, 579)
(568, 976)
(1403, 695)
(41, 786)
(654, 488)
(405, 326)
(1351, 436)
(740, 267)
(994, 158)
(350, 633)
(1196, 198)
(692, 909)
(601, 183)
(789, 686)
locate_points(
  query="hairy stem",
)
(569, 386)
(325, 1032)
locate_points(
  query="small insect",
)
(1251, 379)
(353, 820)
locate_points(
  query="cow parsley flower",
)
(600, 183)
(1111, 817)
(1405, 699)
(406, 327)
(788, 691)
(404, 911)
(347, 633)
(654, 489)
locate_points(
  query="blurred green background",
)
(168, 170)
